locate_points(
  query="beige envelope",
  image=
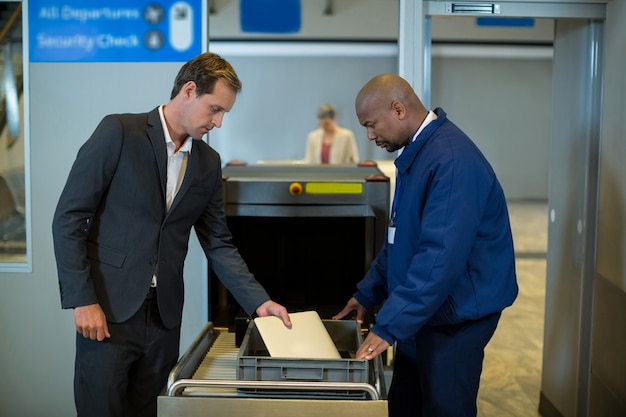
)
(307, 338)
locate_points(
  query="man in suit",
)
(121, 232)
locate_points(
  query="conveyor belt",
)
(204, 382)
(220, 362)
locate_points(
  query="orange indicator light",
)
(295, 188)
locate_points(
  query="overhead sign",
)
(114, 30)
(270, 16)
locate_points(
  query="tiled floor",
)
(511, 376)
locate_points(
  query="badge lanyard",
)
(391, 229)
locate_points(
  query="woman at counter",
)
(330, 144)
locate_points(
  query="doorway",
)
(576, 85)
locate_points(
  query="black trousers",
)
(123, 375)
(437, 373)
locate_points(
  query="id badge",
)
(391, 234)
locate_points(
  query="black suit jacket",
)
(112, 230)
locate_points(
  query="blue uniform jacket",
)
(452, 256)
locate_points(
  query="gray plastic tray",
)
(255, 363)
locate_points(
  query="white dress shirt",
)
(176, 167)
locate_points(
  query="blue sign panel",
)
(270, 16)
(114, 30)
(525, 22)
